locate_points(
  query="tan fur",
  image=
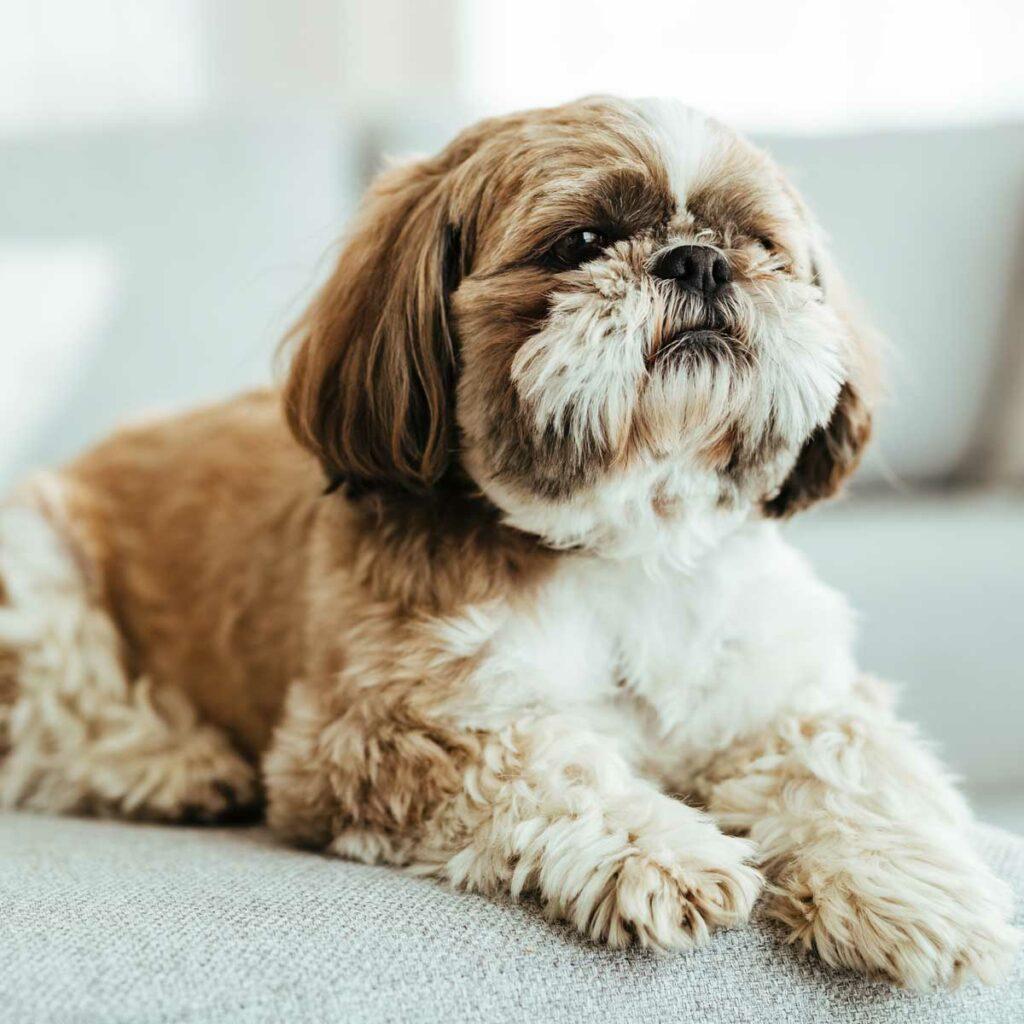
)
(197, 531)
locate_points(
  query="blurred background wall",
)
(174, 173)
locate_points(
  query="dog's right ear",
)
(369, 390)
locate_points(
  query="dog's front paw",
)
(198, 780)
(674, 901)
(919, 912)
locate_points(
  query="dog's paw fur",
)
(923, 918)
(215, 785)
(675, 901)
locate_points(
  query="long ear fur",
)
(370, 383)
(827, 458)
(834, 450)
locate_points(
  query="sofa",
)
(108, 923)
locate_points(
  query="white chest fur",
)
(680, 658)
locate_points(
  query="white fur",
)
(868, 845)
(618, 519)
(686, 139)
(586, 375)
(733, 679)
(552, 809)
(588, 358)
(611, 639)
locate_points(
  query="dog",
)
(493, 588)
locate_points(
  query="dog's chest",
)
(705, 652)
(604, 629)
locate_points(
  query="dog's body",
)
(523, 666)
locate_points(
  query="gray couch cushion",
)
(938, 586)
(906, 210)
(104, 922)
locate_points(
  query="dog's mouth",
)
(679, 345)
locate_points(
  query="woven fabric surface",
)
(105, 922)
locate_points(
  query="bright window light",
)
(69, 64)
(808, 65)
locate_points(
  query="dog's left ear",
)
(827, 458)
(834, 450)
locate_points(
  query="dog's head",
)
(593, 311)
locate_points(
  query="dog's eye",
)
(578, 247)
(780, 259)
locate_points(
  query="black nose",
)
(697, 267)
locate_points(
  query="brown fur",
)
(828, 457)
(369, 386)
(201, 600)
(370, 390)
(198, 532)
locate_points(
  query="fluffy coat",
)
(542, 634)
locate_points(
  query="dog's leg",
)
(542, 807)
(866, 846)
(76, 734)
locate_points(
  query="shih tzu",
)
(493, 587)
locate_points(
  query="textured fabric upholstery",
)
(104, 922)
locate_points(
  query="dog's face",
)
(594, 311)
